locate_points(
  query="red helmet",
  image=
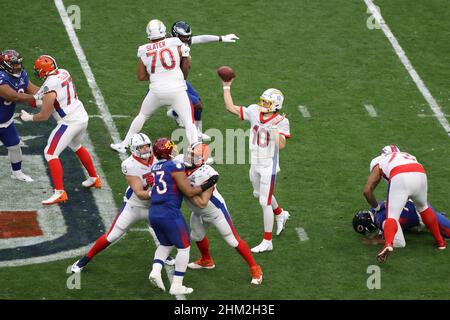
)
(44, 65)
(164, 148)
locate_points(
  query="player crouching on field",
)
(60, 99)
(209, 208)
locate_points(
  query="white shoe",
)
(204, 137)
(177, 119)
(19, 175)
(75, 268)
(265, 245)
(180, 290)
(119, 147)
(57, 196)
(281, 221)
(155, 279)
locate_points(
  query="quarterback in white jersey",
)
(59, 98)
(165, 63)
(209, 208)
(268, 133)
(136, 169)
(406, 180)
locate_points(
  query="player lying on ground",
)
(59, 99)
(406, 180)
(209, 208)
(165, 216)
(371, 223)
(183, 31)
(14, 87)
(269, 131)
(137, 171)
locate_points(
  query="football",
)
(226, 73)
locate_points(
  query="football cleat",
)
(441, 245)
(119, 147)
(92, 182)
(155, 279)
(265, 245)
(281, 221)
(257, 275)
(58, 196)
(75, 268)
(170, 114)
(385, 252)
(19, 175)
(176, 290)
(202, 264)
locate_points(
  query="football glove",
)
(229, 38)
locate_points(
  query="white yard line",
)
(409, 67)
(371, 110)
(304, 111)
(100, 101)
(301, 234)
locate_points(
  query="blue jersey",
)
(20, 84)
(166, 198)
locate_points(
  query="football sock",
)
(390, 229)
(245, 252)
(86, 160)
(56, 172)
(429, 219)
(101, 244)
(203, 246)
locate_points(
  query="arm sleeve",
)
(205, 39)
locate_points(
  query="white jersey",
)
(400, 161)
(197, 177)
(67, 107)
(163, 61)
(262, 144)
(133, 166)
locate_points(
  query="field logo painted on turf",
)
(74, 280)
(372, 23)
(374, 280)
(74, 14)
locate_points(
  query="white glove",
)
(229, 38)
(25, 116)
(185, 50)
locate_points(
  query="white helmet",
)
(156, 29)
(137, 141)
(271, 100)
(389, 149)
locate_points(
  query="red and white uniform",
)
(167, 84)
(264, 153)
(406, 179)
(133, 209)
(215, 213)
(68, 112)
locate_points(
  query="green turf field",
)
(320, 54)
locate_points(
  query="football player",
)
(183, 31)
(406, 179)
(209, 208)
(371, 223)
(269, 132)
(136, 169)
(59, 99)
(165, 62)
(14, 87)
(165, 216)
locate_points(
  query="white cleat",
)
(180, 290)
(75, 268)
(281, 221)
(155, 279)
(119, 147)
(174, 117)
(19, 175)
(265, 245)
